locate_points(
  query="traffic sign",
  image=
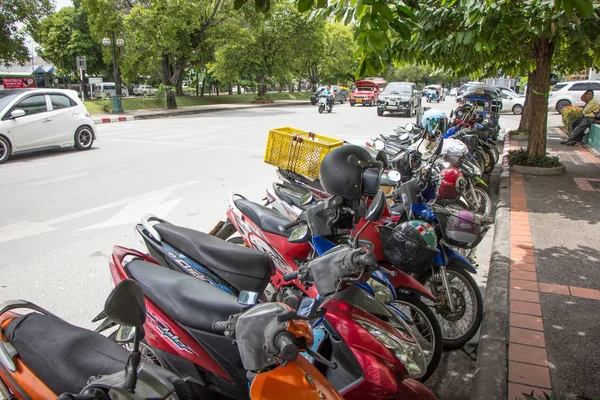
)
(81, 63)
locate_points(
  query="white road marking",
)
(64, 178)
(25, 228)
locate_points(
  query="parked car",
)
(512, 101)
(366, 92)
(144, 90)
(453, 92)
(35, 119)
(565, 94)
(399, 97)
(109, 89)
(340, 94)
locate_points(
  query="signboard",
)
(81, 62)
(17, 82)
(95, 81)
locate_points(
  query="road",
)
(64, 210)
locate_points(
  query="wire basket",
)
(298, 151)
(404, 252)
(460, 228)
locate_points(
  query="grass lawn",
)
(140, 103)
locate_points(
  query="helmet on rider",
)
(433, 119)
(350, 172)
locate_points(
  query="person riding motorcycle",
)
(330, 95)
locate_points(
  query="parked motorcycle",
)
(183, 310)
(44, 357)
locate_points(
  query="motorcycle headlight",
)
(382, 292)
(409, 354)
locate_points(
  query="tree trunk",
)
(239, 89)
(179, 87)
(168, 77)
(203, 87)
(217, 90)
(544, 50)
(261, 85)
(299, 85)
(230, 89)
(197, 83)
(526, 115)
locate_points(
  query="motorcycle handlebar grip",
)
(220, 326)
(286, 347)
(291, 225)
(365, 260)
(288, 276)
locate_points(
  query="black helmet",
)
(349, 171)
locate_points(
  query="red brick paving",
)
(528, 354)
(556, 289)
(522, 307)
(585, 292)
(526, 336)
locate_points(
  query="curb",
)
(176, 113)
(99, 121)
(491, 368)
(539, 171)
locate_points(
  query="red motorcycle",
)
(350, 351)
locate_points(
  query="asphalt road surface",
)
(64, 210)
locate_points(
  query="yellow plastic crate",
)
(298, 151)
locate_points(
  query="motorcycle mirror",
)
(248, 298)
(376, 207)
(125, 305)
(381, 156)
(306, 198)
(299, 234)
(379, 145)
(404, 136)
(451, 113)
(409, 127)
(307, 307)
(394, 176)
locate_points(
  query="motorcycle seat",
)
(242, 267)
(61, 355)
(288, 195)
(188, 300)
(267, 219)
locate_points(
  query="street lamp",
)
(117, 102)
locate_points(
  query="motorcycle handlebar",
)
(220, 326)
(289, 276)
(364, 260)
(291, 224)
(286, 347)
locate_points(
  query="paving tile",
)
(529, 374)
(524, 275)
(524, 295)
(522, 307)
(528, 354)
(523, 285)
(526, 321)
(522, 266)
(585, 292)
(552, 288)
(515, 391)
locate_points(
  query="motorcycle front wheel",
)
(321, 109)
(484, 211)
(425, 327)
(460, 325)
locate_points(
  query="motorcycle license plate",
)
(359, 100)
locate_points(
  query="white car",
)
(144, 90)
(565, 94)
(512, 102)
(35, 119)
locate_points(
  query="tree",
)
(18, 18)
(64, 35)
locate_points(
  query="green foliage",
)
(66, 34)
(518, 133)
(555, 396)
(522, 157)
(570, 114)
(17, 19)
(106, 103)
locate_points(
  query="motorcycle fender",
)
(480, 182)
(406, 282)
(459, 260)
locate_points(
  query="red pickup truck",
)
(366, 92)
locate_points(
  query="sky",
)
(63, 3)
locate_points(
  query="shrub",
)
(106, 103)
(520, 133)
(520, 157)
(556, 396)
(570, 114)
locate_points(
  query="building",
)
(37, 74)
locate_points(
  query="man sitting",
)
(588, 117)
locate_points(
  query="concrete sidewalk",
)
(165, 113)
(554, 277)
